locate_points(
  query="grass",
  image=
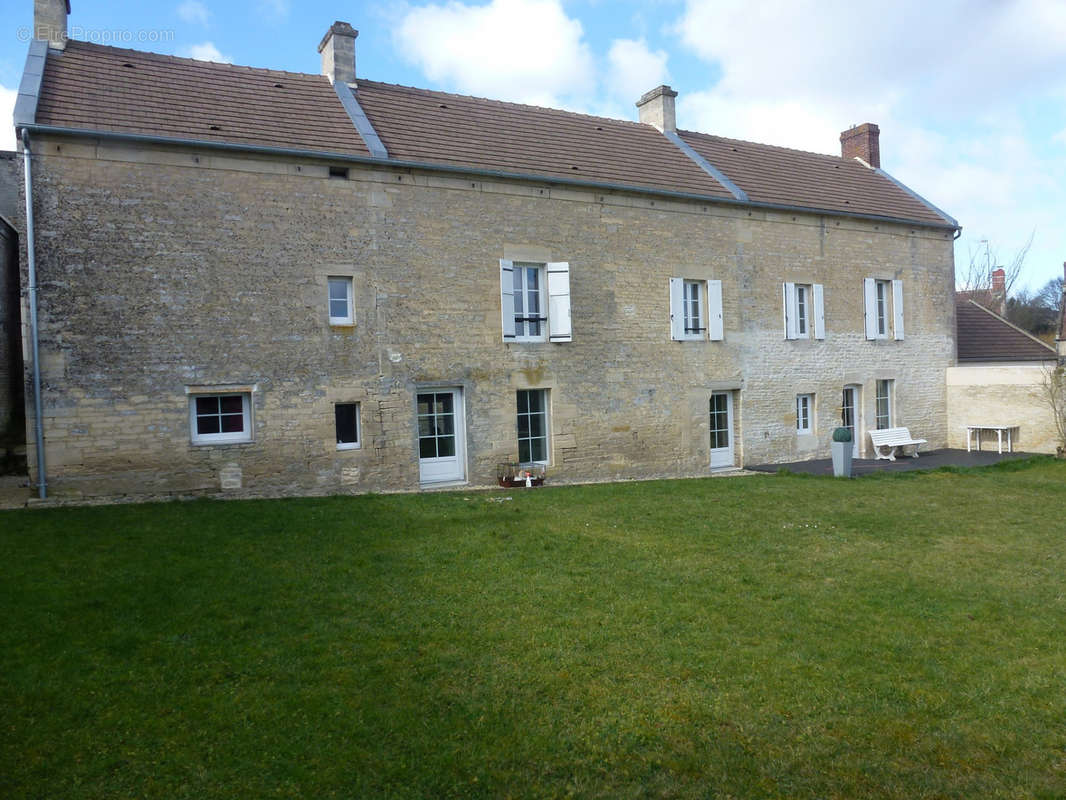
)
(735, 638)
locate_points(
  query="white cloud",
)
(276, 9)
(206, 51)
(527, 51)
(193, 11)
(633, 69)
(7, 124)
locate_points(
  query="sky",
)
(970, 95)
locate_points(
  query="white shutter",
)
(559, 327)
(819, 311)
(507, 298)
(715, 329)
(897, 308)
(788, 294)
(677, 309)
(869, 294)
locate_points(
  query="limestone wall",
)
(165, 269)
(1001, 395)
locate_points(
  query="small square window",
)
(341, 310)
(220, 418)
(533, 426)
(805, 413)
(346, 418)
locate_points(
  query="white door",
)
(721, 430)
(441, 445)
(849, 416)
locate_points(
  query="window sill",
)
(232, 443)
(348, 325)
(349, 446)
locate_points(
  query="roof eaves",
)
(954, 222)
(459, 169)
(30, 86)
(707, 167)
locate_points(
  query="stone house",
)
(317, 283)
(997, 379)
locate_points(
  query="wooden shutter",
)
(788, 295)
(715, 328)
(559, 327)
(897, 309)
(819, 311)
(507, 298)
(677, 309)
(869, 294)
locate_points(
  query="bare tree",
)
(1053, 391)
(977, 277)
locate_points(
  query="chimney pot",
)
(656, 108)
(50, 22)
(862, 141)
(337, 49)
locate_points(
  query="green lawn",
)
(898, 637)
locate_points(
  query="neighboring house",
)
(997, 380)
(277, 281)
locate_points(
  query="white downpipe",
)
(38, 422)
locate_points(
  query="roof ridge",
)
(200, 62)
(767, 145)
(1006, 321)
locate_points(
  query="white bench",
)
(888, 439)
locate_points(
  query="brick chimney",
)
(862, 141)
(338, 52)
(50, 22)
(999, 280)
(657, 108)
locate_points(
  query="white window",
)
(341, 311)
(533, 426)
(220, 418)
(883, 305)
(883, 404)
(804, 310)
(695, 310)
(804, 413)
(346, 422)
(535, 301)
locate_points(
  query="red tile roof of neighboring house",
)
(94, 87)
(982, 335)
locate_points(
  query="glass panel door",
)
(849, 416)
(440, 436)
(721, 430)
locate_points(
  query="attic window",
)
(128, 64)
(599, 127)
(339, 172)
(215, 127)
(575, 167)
(278, 86)
(442, 105)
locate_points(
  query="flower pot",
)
(842, 459)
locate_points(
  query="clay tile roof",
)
(94, 87)
(982, 335)
(129, 91)
(783, 176)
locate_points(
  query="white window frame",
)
(358, 443)
(804, 414)
(878, 295)
(232, 437)
(545, 396)
(708, 298)
(803, 306)
(889, 387)
(553, 300)
(349, 317)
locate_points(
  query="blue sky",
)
(970, 95)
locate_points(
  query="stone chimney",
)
(338, 52)
(657, 108)
(862, 141)
(50, 22)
